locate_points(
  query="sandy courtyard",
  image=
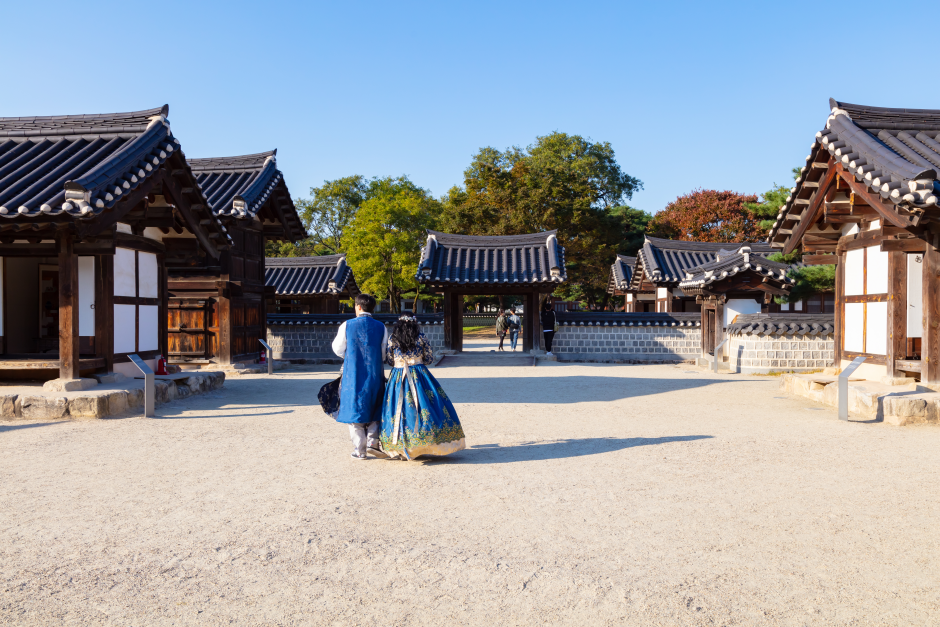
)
(591, 495)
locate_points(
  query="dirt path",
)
(591, 495)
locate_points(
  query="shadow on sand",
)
(14, 427)
(560, 449)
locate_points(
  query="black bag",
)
(329, 397)
(513, 325)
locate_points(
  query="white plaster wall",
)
(124, 228)
(152, 232)
(124, 279)
(124, 328)
(149, 328)
(147, 275)
(2, 321)
(876, 340)
(877, 271)
(855, 272)
(629, 298)
(86, 295)
(736, 306)
(915, 295)
(854, 327)
(662, 292)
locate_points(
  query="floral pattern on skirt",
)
(430, 427)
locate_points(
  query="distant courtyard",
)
(590, 494)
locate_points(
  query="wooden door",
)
(708, 338)
(188, 332)
(247, 328)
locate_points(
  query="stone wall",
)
(310, 336)
(627, 337)
(761, 343)
(752, 354)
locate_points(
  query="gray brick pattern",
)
(301, 341)
(631, 343)
(752, 353)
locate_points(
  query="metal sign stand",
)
(844, 387)
(270, 356)
(718, 348)
(149, 387)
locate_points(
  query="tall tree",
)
(708, 215)
(562, 182)
(383, 241)
(770, 202)
(632, 223)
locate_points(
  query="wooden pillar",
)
(68, 307)
(530, 324)
(703, 317)
(163, 312)
(456, 308)
(225, 327)
(839, 313)
(897, 311)
(625, 303)
(719, 322)
(448, 323)
(104, 310)
(930, 343)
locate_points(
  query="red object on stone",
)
(264, 357)
(161, 365)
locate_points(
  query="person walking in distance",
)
(548, 320)
(514, 325)
(502, 325)
(361, 343)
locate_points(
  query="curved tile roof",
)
(621, 272)
(665, 262)
(783, 324)
(628, 319)
(449, 259)
(729, 264)
(337, 319)
(310, 276)
(79, 166)
(238, 187)
(893, 152)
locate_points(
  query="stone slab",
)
(69, 385)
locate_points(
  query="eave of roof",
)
(310, 276)
(664, 262)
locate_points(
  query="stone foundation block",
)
(89, 407)
(117, 402)
(41, 407)
(164, 392)
(69, 385)
(8, 406)
(134, 398)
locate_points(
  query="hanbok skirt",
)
(426, 427)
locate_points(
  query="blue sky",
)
(713, 95)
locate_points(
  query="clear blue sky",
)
(702, 94)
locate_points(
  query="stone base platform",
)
(32, 402)
(904, 404)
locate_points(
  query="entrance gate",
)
(491, 265)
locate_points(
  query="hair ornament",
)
(408, 318)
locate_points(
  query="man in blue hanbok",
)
(361, 343)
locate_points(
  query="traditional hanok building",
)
(217, 306)
(89, 205)
(866, 201)
(737, 282)
(308, 285)
(520, 265)
(621, 273)
(662, 264)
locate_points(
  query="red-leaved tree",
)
(707, 215)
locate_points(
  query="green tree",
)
(326, 216)
(770, 202)
(632, 223)
(561, 182)
(383, 241)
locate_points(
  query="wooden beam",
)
(839, 310)
(820, 260)
(100, 247)
(104, 310)
(815, 206)
(186, 211)
(909, 245)
(68, 307)
(873, 201)
(897, 311)
(138, 242)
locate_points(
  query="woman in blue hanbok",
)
(417, 417)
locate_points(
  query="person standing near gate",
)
(502, 325)
(361, 343)
(548, 320)
(514, 325)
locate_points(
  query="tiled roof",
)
(894, 152)
(238, 187)
(728, 264)
(620, 273)
(628, 319)
(79, 165)
(310, 276)
(665, 262)
(782, 324)
(508, 259)
(323, 319)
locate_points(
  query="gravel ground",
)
(590, 495)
